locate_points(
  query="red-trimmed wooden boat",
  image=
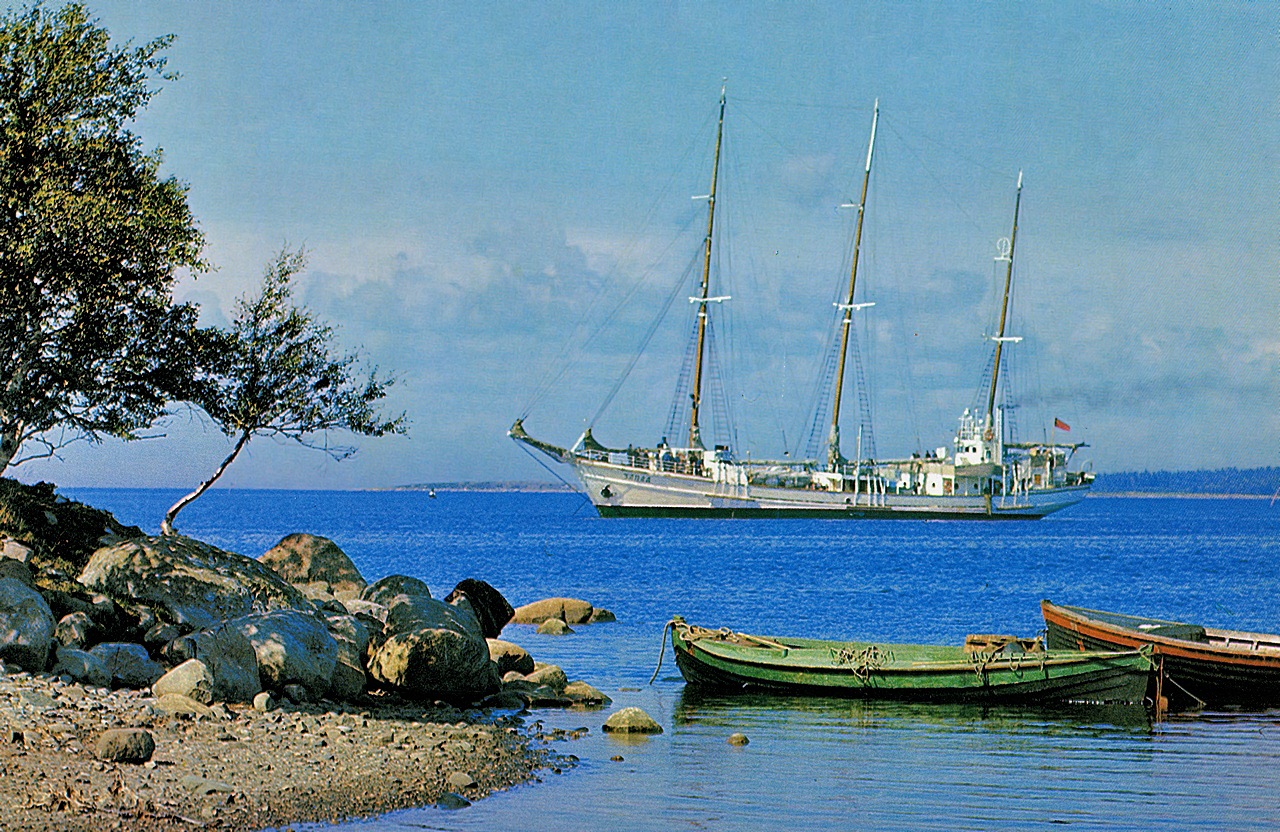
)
(1197, 666)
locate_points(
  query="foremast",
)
(695, 431)
(834, 459)
(1000, 338)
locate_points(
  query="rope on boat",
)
(662, 649)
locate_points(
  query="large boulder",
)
(568, 610)
(352, 637)
(383, 590)
(230, 657)
(493, 610)
(307, 558)
(432, 663)
(292, 648)
(26, 625)
(188, 583)
(414, 612)
(129, 664)
(83, 667)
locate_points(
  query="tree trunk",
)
(8, 445)
(166, 526)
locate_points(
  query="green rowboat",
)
(999, 670)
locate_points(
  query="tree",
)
(273, 374)
(92, 238)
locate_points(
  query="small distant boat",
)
(989, 669)
(1197, 666)
(431, 493)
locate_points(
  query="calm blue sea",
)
(814, 763)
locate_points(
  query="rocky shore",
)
(158, 682)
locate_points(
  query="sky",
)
(495, 199)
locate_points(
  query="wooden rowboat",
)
(994, 670)
(1198, 666)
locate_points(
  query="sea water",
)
(813, 763)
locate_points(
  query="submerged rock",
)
(631, 721)
(554, 627)
(568, 610)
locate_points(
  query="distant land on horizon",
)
(1253, 482)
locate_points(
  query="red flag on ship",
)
(1061, 425)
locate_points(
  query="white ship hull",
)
(623, 491)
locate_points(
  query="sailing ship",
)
(983, 475)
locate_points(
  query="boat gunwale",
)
(1015, 663)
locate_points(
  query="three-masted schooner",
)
(982, 476)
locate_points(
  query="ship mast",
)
(1000, 338)
(695, 433)
(833, 441)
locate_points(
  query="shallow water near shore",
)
(822, 763)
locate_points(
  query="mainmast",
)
(695, 433)
(1000, 338)
(833, 441)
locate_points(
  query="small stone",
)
(554, 627)
(452, 801)
(460, 780)
(738, 739)
(297, 694)
(631, 721)
(126, 745)
(601, 616)
(264, 702)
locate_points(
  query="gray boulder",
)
(413, 612)
(383, 590)
(83, 667)
(26, 625)
(292, 648)
(349, 679)
(228, 655)
(307, 559)
(191, 679)
(188, 583)
(433, 663)
(129, 664)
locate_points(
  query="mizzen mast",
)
(1000, 338)
(833, 441)
(695, 432)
